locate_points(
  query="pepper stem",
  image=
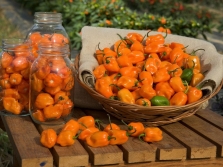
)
(194, 51)
(140, 137)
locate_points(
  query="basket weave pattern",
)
(149, 116)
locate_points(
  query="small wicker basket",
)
(149, 116)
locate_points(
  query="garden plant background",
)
(192, 18)
(183, 17)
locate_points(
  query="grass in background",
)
(7, 30)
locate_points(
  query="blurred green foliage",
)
(178, 16)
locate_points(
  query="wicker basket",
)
(149, 116)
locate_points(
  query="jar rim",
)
(48, 17)
(9, 43)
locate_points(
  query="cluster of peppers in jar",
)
(14, 81)
(86, 130)
(146, 71)
(51, 84)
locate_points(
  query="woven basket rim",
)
(133, 112)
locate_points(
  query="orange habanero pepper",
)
(145, 77)
(43, 100)
(178, 99)
(152, 64)
(53, 111)
(177, 84)
(175, 70)
(48, 138)
(6, 60)
(66, 138)
(38, 115)
(118, 137)
(103, 86)
(194, 94)
(137, 46)
(111, 126)
(125, 95)
(15, 79)
(110, 63)
(160, 75)
(135, 128)
(147, 91)
(87, 132)
(130, 71)
(52, 80)
(151, 134)
(196, 78)
(193, 61)
(164, 89)
(136, 56)
(71, 125)
(86, 122)
(98, 139)
(100, 71)
(176, 55)
(12, 105)
(36, 83)
(127, 82)
(132, 36)
(143, 102)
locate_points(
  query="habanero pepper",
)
(125, 95)
(137, 46)
(71, 125)
(111, 126)
(110, 63)
(160, 75)
(178, 99)
(130, 71)
(194, 94)
(136, 94)
(103, 86)
(193, 61)
(154, 47)
(100, 71)
(143, 102)
(145, 77)
(197, 78)
(165, 54)
(147, 91)
(177, 84)
(151, 134)
(158, 38)
(164, 89)
(124, 61)
(86, 122)
(98, 139)
(187, 75)
(135, 128)
(176, 55)
(132, 36)
(87, 132)
(159, 101)
(152, 64)
(136, 56)
(127, 82)
(118, 137)
(66, 138)
(53, 111)
(48, 138)
(175, 70)
(119, 45)
(12, 105)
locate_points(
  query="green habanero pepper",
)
(187, 75)
(159, 101)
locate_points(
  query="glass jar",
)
(47, 28)
(52, 85)
(16, 59)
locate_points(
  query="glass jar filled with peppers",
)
(52, 84)
(16, 59)
(47, 27)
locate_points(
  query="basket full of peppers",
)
(147, 79)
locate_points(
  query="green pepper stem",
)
(194, 51)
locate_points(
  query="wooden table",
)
(194, 141)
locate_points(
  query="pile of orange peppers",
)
(85, 130)
(14, 81)
(147, 71)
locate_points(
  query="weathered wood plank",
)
(211, 117)
(197, 147)
(25, 141)
(188, 163)
(134, 150)
(103, 155)
(74, 155)
(207, 131)
(170, 149)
